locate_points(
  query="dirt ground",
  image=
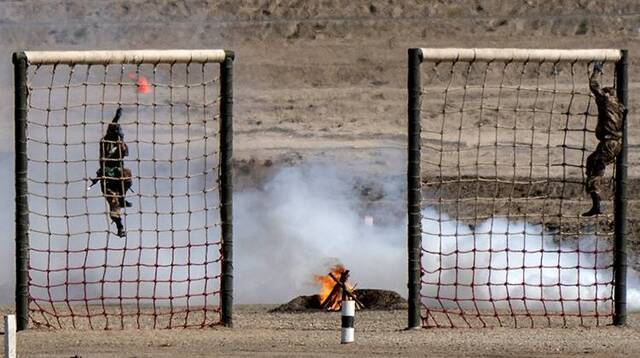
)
(378, 333)
(321, 81)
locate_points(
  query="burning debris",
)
(335, 289)
(372, 299)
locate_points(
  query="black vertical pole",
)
(226, 187)
(22, 205)
(414, 196)
(620, 201)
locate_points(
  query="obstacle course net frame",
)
(447, 171)
(173, 119)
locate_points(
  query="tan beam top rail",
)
(124, 57)
(518, 55)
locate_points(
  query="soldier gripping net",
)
(115, 179)
(609, 133)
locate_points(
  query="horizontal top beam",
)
(518, 55)
(123, 57)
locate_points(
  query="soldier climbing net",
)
(173, 267)
(498, 141)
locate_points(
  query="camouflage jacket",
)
(112, 153)
(610, 112)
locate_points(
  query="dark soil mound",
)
(371, 299)
(300, 304)
(381, 299)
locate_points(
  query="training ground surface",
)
(320, 81)
(258, 332)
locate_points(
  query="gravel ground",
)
(319, 79)
(380, 333)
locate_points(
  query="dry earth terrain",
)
(378, 333)
(320, 80)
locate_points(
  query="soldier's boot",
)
(118, 222)
(596, 207)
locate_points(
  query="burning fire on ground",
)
(332, 288)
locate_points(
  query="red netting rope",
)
(165, 272)
(504, 147)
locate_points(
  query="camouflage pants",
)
(605, 154)
(114, 191)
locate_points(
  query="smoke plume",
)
(307, 218)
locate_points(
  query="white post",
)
(10, 336)
(348, 313)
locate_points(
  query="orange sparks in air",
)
(327, 284)
(141, 82)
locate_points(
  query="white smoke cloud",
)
(304, 220)
(515, 265)
(309, 217)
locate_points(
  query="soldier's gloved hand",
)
(597, 67)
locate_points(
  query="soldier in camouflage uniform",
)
(609, 133)
(115, 179)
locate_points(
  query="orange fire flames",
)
(327, 284)
(141, 82)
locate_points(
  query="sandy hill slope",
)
(316, 76)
